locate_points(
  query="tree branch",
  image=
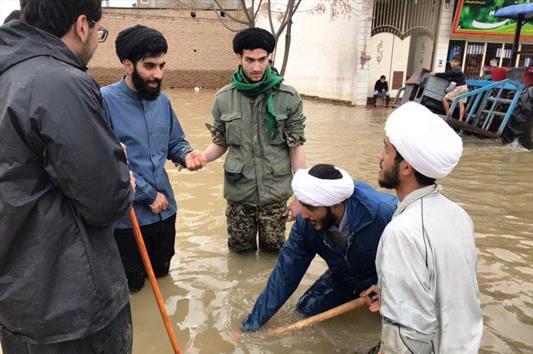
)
(258, 8)
(270, 19)
(284, 20)
(291, 10)
(287, 47)
(223, 22)
(250, 21)
(228, 14)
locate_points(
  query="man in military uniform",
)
(260, 121)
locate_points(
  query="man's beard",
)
(325, 223)
(141, 85)
(85, 55)
(391, 179)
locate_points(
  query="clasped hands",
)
(194, 160)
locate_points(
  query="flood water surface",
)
(210, 291)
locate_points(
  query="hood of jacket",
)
(20, 42)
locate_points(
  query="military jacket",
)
(257, 169)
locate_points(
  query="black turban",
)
(138, 41)
(253, 38)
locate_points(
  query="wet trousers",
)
(115, 338)
(401, 340)
(326, 293)
(159, 239)
(246, 221)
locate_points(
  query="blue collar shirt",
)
(152, 134)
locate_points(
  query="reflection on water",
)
(210, 291)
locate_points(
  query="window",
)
(493, 55)
(473, 61)
(526, 55)
(507, 52)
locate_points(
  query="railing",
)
(486, 105)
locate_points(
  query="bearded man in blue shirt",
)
(143, 119)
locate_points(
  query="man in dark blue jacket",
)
(341, 221)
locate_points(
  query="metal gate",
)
(403, 17)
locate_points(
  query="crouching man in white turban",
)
(427, 291)
(341, 221)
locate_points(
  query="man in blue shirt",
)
(142, 118)
(341, 220)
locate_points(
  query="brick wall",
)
(199, 53)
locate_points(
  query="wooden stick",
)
(326, 315)
(153, 281)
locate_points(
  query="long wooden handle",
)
(326, 315)
(153, 281)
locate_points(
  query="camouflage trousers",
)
(246, 221)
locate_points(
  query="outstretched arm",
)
(294, 259)
(214, 151)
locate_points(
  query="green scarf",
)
(270, 80)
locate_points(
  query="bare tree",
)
(279, 14)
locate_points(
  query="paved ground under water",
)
(210, 291)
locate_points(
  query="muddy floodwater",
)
(210, 291)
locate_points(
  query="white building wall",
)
(362, 72)
(324, 58)
(443, 36)
(389, 53)
(380, 49)
(422, 51)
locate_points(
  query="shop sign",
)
(476, 17)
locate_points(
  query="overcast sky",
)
(6, 6)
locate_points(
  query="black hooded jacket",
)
(63, 182)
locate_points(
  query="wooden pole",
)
(326, 315)
(153, 281)
(516, 41)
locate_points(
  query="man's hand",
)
(132, 177)
(132, 181)
(293, 209)
(432, 73)
(195, 160)
(160, 203)
(373, 298)
(124, 149)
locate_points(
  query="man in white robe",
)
(427, 290)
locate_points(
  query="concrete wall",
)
(389, 53)
(420, 52)
(200, 51)
(324, 53)
(443, 36)
(362, 74)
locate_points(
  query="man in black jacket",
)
(381, 89)
(64, 182)
(457, 86)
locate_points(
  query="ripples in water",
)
(210, 291)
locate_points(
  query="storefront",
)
(481, 39)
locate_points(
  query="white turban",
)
(424, 140)
(321, 192)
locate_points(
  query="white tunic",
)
(428, 282)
